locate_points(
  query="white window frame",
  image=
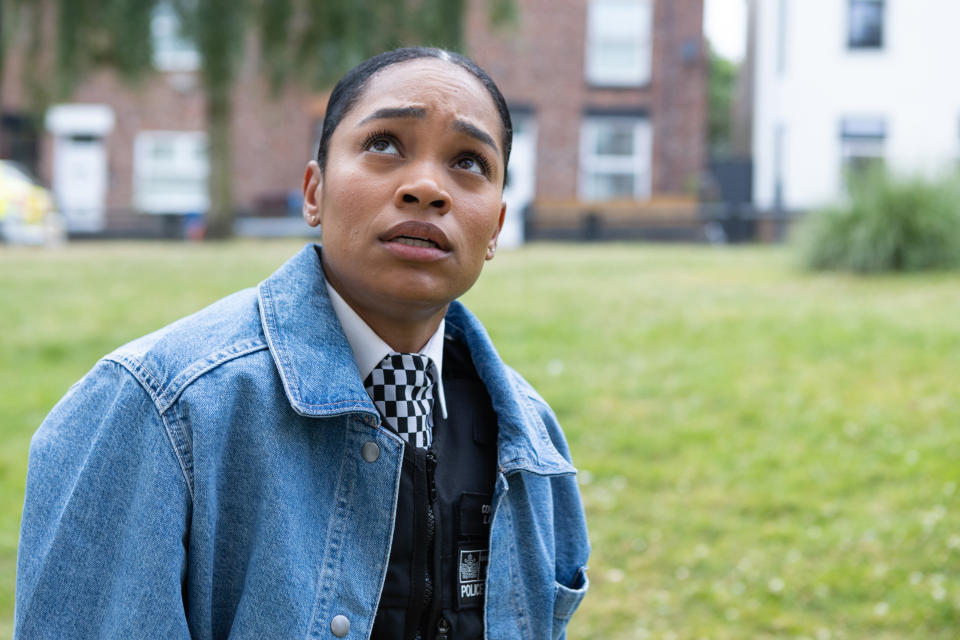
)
(177, 184)
(639, 164)
(627, 24)
(171, 51)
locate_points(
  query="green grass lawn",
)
(764, 453)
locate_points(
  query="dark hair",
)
(352, 85)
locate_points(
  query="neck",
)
(405, 327)
(404, 335)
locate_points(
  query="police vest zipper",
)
(428, 587)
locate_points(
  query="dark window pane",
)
(866, 23)
(859, 127)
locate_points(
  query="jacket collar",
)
(320, 376)
(308, 346)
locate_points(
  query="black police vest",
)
(434, 588)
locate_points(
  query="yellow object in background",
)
(27, 214)
(21, 197)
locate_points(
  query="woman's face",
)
(410, 201)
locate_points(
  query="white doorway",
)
(521, 179)
(80, 163)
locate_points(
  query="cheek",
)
(354, 198)
(343, 187)
(483, 219)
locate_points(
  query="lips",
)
(416, 233)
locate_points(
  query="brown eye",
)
(383, 145)
(471, 164)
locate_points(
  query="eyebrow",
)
(474, 132)
(388, 113)
(395, 112)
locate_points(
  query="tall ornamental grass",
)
(887, 223)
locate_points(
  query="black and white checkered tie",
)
(402, 388)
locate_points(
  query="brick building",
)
(608, 98)
(611, 95)
(115, 152)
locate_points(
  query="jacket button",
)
(370, 451)
(340, 626)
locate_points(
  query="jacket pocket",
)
(566, 600)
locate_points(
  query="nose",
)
(422, 192)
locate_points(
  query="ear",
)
(312, 184)
(492, 245)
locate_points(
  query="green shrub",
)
(886, 224)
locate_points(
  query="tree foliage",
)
(90, 33)
(720, 89)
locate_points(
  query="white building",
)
(844, 83)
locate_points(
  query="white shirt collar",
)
(369, 348)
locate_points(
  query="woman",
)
(339, 452)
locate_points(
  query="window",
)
(866, 24)
(171, 51)
(619, 42)
(862, 145)
(615, 153)
(170, 172)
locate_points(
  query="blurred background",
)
(684, 120)
(767, 440)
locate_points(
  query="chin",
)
(427, 289)
(415, 296)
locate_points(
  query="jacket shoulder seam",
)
(165, 395)
(210, 362)
(149, 384)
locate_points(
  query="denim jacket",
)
(228, 477)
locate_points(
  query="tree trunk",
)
(219, 120)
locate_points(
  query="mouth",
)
(417, 234)
(416, 242)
